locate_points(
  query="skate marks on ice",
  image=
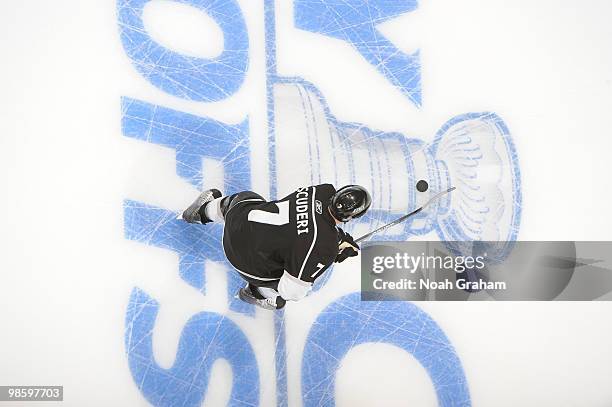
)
(473, 152)
(206, 338)
(192, 138)
(343, 325)
(185, 76)
(349, 322)
(355, 23)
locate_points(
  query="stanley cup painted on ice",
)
(472, 152)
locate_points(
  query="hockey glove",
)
(346, 247)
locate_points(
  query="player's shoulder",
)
(324, 186)
(327, 238)
(327, 189)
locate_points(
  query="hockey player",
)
(281, 247)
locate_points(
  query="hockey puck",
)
(422, 186)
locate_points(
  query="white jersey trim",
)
(314, 239)
(254, 277)
(245, 200)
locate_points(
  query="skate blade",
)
(253, 301)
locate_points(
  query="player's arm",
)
(346, 246)
(301, 272)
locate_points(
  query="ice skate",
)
(246, 295)
(192, 214)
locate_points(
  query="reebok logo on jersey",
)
(318, 207)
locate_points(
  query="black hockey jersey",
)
(295, 234)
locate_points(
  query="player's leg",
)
(267, 292)
(257, 292)
(264, 297)
(211, 211)
(228, 202)
(210, 206)
(196, 213)
(216, 209)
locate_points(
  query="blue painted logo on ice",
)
(473, 152)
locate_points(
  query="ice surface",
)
(115, 129)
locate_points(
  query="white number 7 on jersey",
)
(280, 218)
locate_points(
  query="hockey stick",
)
(403, 218)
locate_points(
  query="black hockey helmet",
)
(349, 202)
